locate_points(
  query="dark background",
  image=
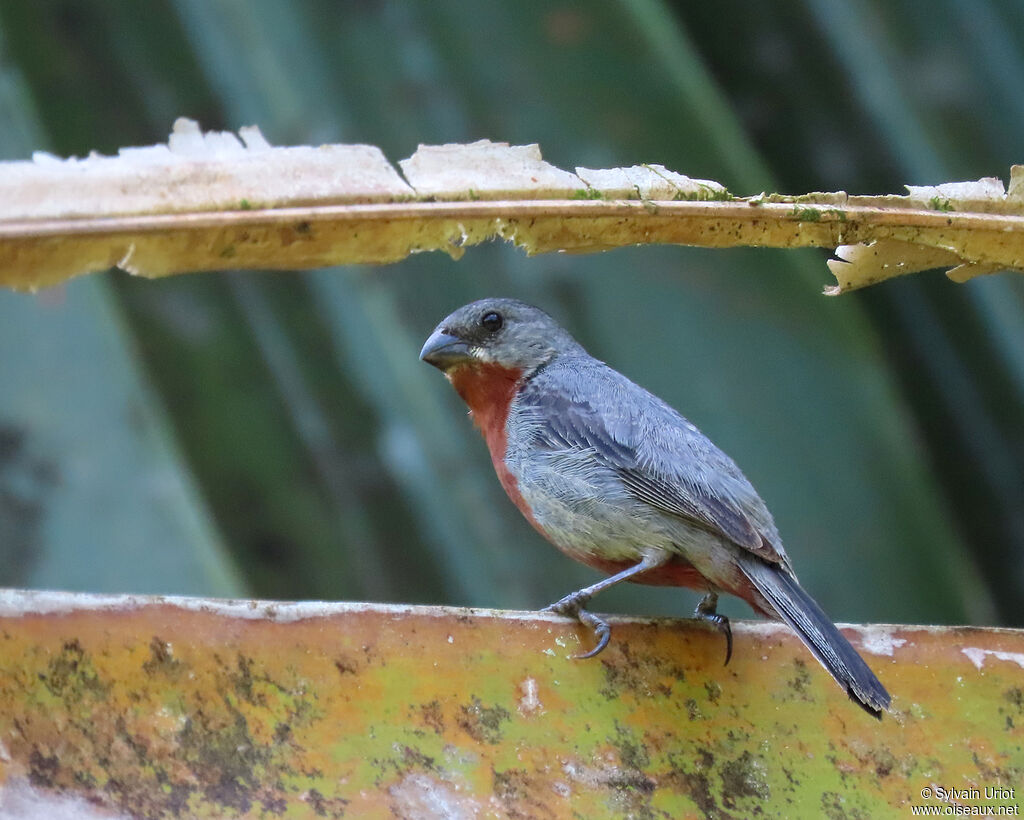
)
(275, 435)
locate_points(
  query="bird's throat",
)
(488, 390)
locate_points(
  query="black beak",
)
(443, 350)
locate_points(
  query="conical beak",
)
(443, 350)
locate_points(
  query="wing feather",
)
(618, 420)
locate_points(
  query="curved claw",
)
(602, 631)
(706, 612)
(723, 625)
(571, 606)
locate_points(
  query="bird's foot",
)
(571, 606)
(706, 611)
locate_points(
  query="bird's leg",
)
(707, 611)
(573, 605)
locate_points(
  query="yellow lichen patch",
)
(177, 707)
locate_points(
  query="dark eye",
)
(491, 321)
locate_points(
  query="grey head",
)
(502, 332)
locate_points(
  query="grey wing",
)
(661, 458)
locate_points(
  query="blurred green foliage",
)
(275, 435)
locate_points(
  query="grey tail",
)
(826, 642)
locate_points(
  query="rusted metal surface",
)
(151, 707)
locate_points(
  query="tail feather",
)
(821, 636)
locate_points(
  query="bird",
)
(617, 479)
